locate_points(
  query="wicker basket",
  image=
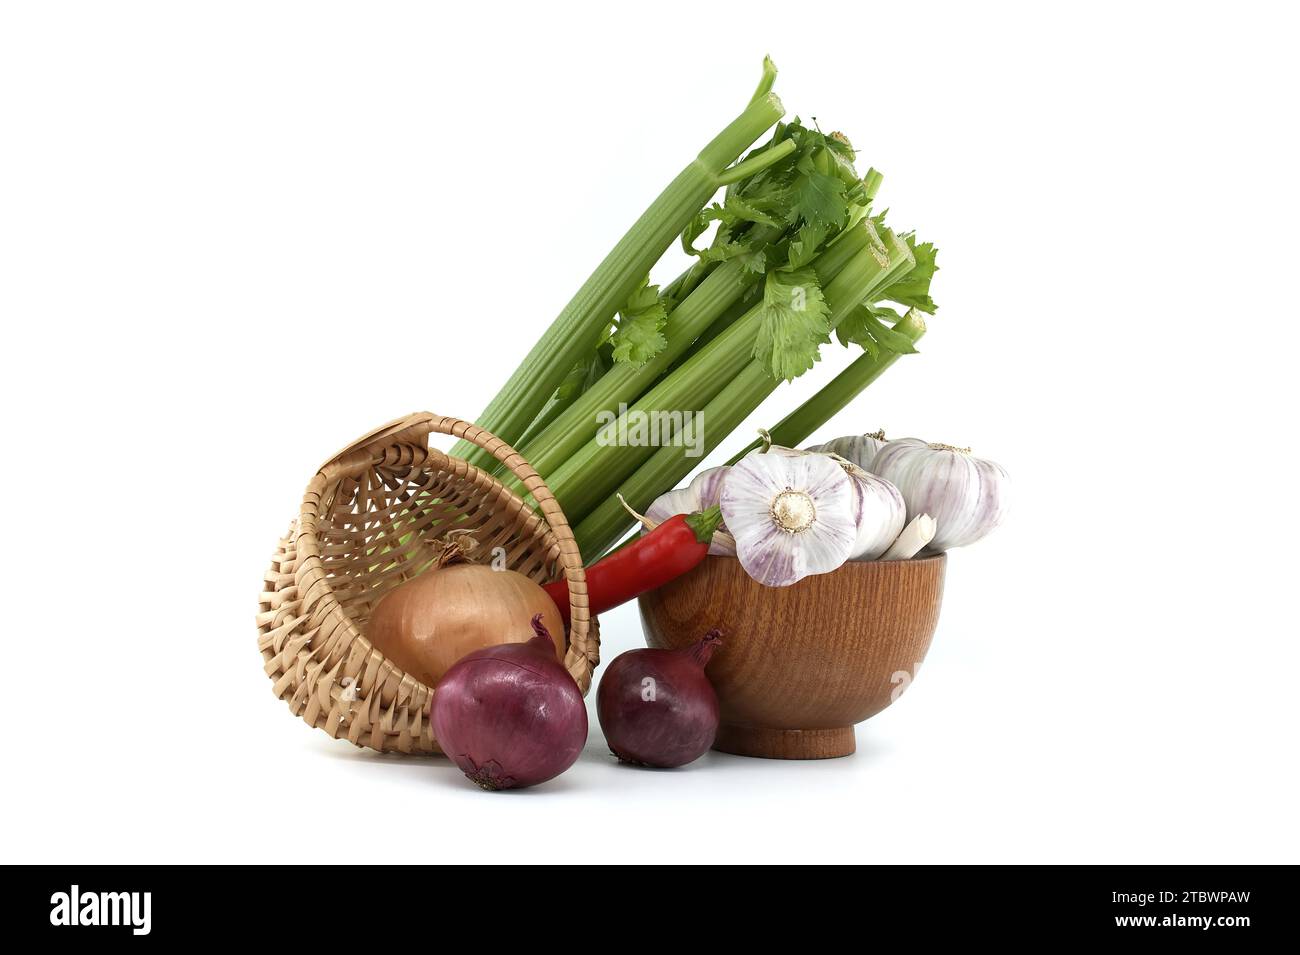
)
(370, 519)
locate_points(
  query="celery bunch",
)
(797, 254)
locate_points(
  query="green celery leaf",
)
(738, 210)
(793, 325)
(773, 199)
(887, 338)
(852, 330)
(586, 373)
(884, 313)
(695, 228)
(754, 262)
(819, 198)
(803, 249)
(724, 247)
(913, 288)
(639, 335)
(863, 327)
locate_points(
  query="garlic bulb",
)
(790, 515)
(879, 511)
(966, 496)
(861, 449)
(703, 492)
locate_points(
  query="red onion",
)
(657, 707)
(509, 715)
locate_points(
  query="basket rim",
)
(395, 443)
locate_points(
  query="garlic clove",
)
(707, 485)
(879, 512)
(790, 515)
(722, 545)
(913, 539)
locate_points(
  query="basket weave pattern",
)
(371, 518)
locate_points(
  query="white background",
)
(234, 236)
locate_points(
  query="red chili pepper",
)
(670, 550)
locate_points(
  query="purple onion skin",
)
(510, 716)
(669, 722)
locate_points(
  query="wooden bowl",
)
(799, 665)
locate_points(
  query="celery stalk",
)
(577, 424)
(575, 331)
(555, 407)
(836, 255)
(608, 522)
(624, 382)
(594, 471)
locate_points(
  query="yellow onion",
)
(454, 608)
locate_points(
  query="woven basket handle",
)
(415, 429)
(417, 424)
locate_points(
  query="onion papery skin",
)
(510, 716)
(657, 707)
(429, 622)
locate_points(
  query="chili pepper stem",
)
(705, 523)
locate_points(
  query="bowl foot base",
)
(785, 744)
